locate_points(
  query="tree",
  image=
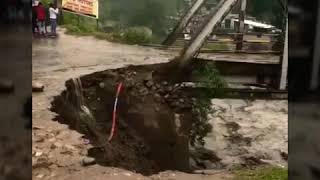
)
(270, 11)
(149, 13)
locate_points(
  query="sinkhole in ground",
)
(154, 119)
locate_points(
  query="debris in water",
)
(38, 154)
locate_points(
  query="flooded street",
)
(70, 52)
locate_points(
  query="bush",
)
(78, 30)
(72, 29)
(208, 76)
(102, 35)
(262, 173)
(137, 35)
(113, 37)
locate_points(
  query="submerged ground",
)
(58, 152)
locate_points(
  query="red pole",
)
(115, 112)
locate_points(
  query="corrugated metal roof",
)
(256, 24)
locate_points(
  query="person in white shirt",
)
(53, 12)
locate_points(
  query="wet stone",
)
(37, 87)
(149, 84)
(143, 91)
(169, 89)
(193, 163)
(284, 155)
(157, 97)
(102, 85)
(209, 165)
(88, 161)
(164, 83)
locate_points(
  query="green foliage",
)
(113, 36)
(72, 29)
(267, 10)
(200, 127)
(149, 13)
(210, 78)
(78, 30)
(262, 173)
(137, 35)
(46, 2)
(78, 25)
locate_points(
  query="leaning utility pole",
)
(183, 23)
(241, 29)
(205, 30)
(284, 65)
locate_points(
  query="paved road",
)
(67, 52)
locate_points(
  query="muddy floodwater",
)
(249, 131)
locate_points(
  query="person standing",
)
(41, 19)
(53, 12)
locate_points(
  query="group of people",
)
(39, 18)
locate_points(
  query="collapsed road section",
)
(159, 125)
(153, 119)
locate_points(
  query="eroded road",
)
(58, 152)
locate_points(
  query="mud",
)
(154, 119)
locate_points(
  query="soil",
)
(154, 119)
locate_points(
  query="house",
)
(251, 24)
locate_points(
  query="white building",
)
(251, 24)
